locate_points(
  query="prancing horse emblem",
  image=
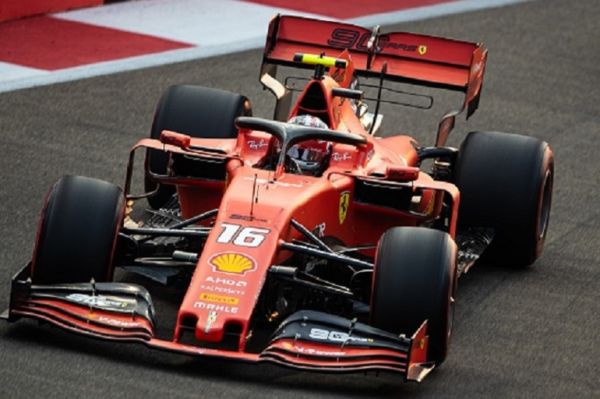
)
(344, 203)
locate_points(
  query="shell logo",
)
(231, 262)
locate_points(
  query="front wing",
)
(306, 340)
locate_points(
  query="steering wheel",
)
(292, 166)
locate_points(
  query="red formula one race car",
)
(309, 240)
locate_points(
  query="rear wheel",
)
(414, 280)
(198, 112)
(77, 231)
(505, 181)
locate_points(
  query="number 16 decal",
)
(242, 236)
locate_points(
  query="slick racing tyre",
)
(413, 281)
(77, 231)
(198, 112)
(505, 182)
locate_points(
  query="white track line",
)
(438, 10)
(199, 22)
(16, 72)
(217, 38)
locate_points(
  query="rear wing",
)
(410, 58)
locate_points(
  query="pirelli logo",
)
(215, 298)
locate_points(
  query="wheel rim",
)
(546, 202)
(450, 318)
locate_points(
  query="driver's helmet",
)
(311, 155)
(308, 120)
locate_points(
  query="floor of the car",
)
(471, 243)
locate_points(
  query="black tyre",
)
(414, 280)
(505, 181)
(77, 231)
(198, 112)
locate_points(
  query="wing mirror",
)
(402, 173)
(176, 139)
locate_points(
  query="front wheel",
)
(77, 231)
(414, 280)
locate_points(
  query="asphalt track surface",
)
(531, 333)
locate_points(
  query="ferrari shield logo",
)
(343, 208)
(230, 262)
(422, 49)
